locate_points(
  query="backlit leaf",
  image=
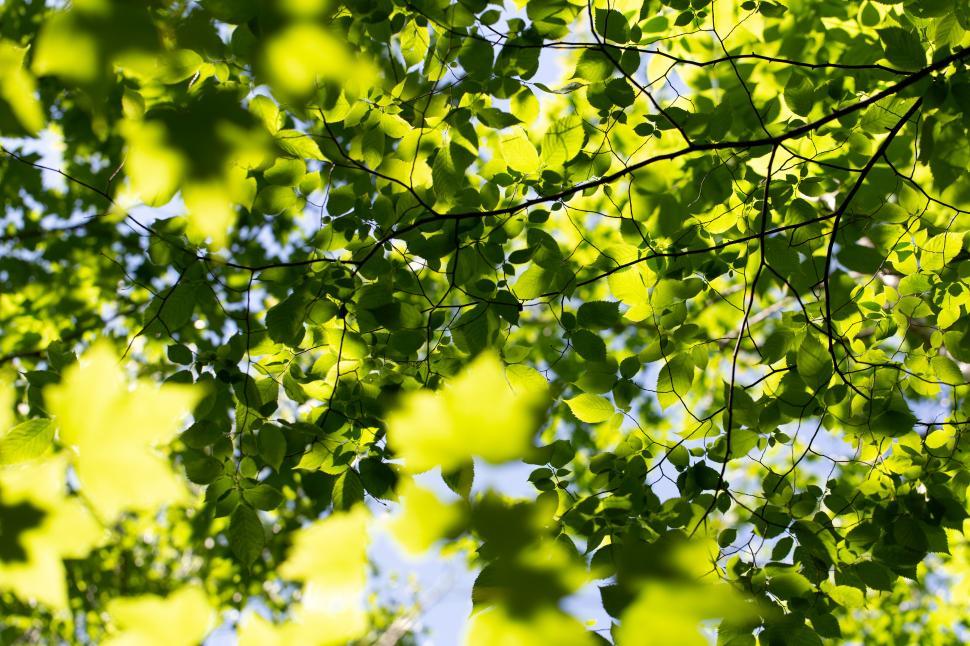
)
(117, 430)
(591, 409)
(477, 414)
(518, 151)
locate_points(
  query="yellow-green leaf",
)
(183, 618)
(940, 250)
(26, 441)
(424, 519)
(562, 141)
(116, 429)
(591, 409)
(518, 152)
(477, 414)
(312, 558)
(64, 529)
(496, 625)
(18, 89)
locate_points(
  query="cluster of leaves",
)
(702, 264)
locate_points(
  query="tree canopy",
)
(278, 275)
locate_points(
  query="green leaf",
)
(18, 90)
(298, 144)
(799, 94)
(112, 426)
(263, 496)
(875, 575)
(201, 468)
(518, 152)
(947, 370)
(478, 414)
(274, 200)
(869, 16)
(611, 24)
(903, 48)
(424, 520)
(591, 409)
(495, 118)
(246, 535)
(782, 548)
(460, 480)
(232, 11)
(378, 478)
(962, 13)
(686, 17)
(329, 454)
(679, 456)
(348, 490)
(790, 585)
(26, 441)
(813, 361)
(589, 346)
(538, 280)
(202, 434)
(562, 141)
(284, 321)
(178, 353)
(272, 445)
(593, 66)
(598, 315)
(940, 250)
(844, 595)
(908, 533)
(268, 112)
(938, 439)
(674, 379)
(477, 57)
(177, 307)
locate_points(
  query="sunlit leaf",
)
(47, 527)
(497, 625)
(562, 141)
(26, 441)
(304, 55)
(518, 151)
(670, 614)
(424, 519)
(477, 414)
(18, 88)
(591, 408)
(117, 427)
(181, 618)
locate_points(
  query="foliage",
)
(273, 271)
